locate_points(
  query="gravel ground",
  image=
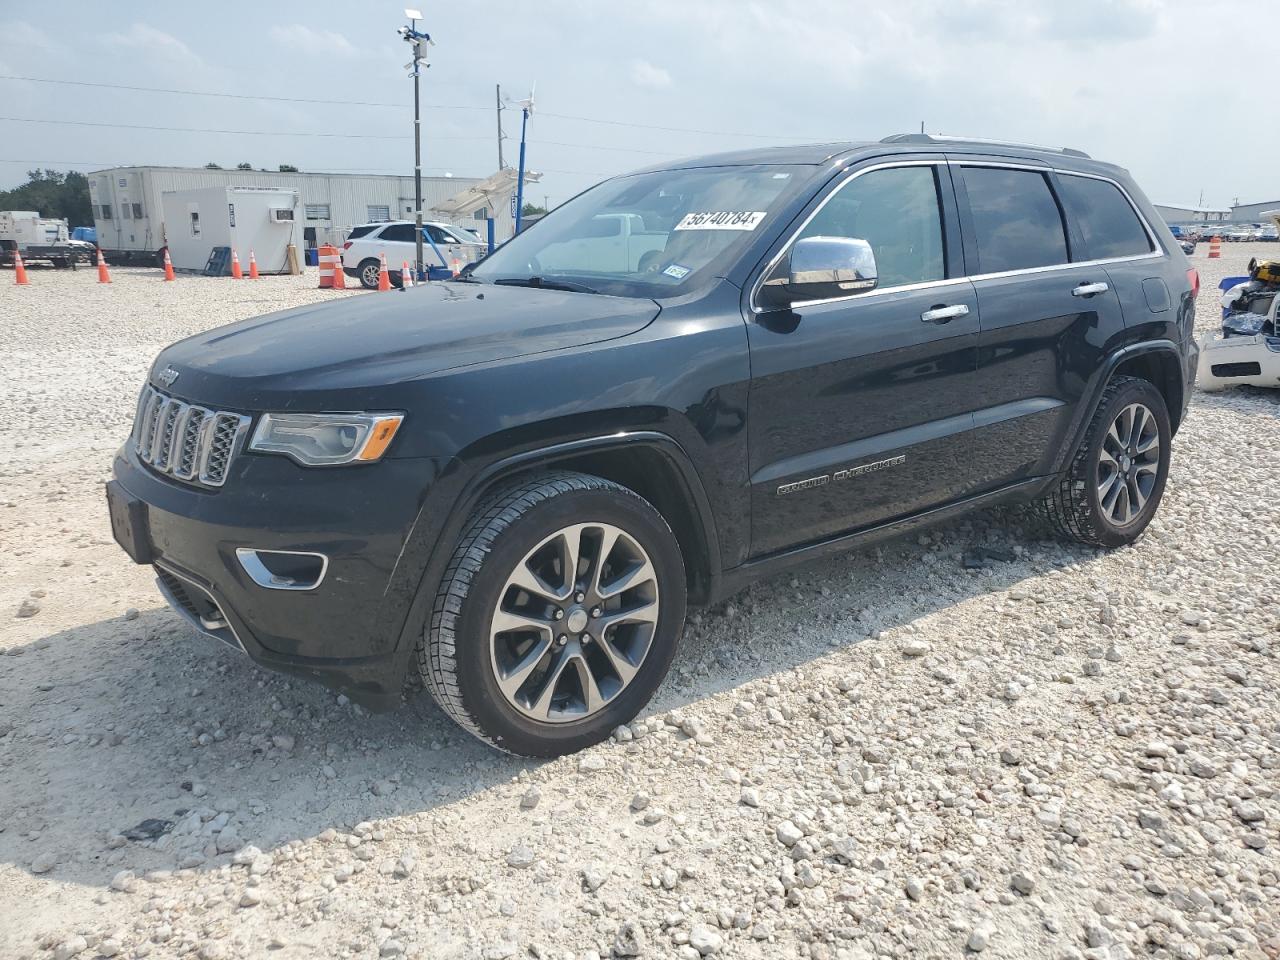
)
(974, 741)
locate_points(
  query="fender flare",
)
(473, 489)
(1085, 410)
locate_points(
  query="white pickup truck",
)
(616, 243)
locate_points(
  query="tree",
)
(532, 210)
(244, 166)
(288, 168)
(60, 196)
(212, 166)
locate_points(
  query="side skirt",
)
(734, 580)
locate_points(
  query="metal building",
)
(128, 210)
(1191, 215)
(1253, 212)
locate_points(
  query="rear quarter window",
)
(1016, 221)
(1106, 220)
(361, 231)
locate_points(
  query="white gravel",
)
(1070, 754)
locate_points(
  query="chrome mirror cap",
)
(819, 268)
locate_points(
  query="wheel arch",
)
(651, 463)
(1156, 361)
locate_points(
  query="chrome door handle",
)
(944, 314)
(1089, 289)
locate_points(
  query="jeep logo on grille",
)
(167, 376)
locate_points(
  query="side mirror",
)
(819, 268)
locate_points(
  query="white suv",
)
(364, 245)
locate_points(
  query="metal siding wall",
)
(349, 196)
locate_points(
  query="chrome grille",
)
(185, 441)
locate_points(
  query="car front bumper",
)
(346, 630)
(1232, 361)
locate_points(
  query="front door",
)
(860, 406)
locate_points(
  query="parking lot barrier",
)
(1215, 248)
(327, 261)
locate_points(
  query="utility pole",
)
(416, 40)
(498, 91)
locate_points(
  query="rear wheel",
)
(1117, 476)
(368, 272)
(558, 616)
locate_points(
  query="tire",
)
(368, 273)
(463, 652)
(1088, 504)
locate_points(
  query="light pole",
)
(416, 39)
(526, 109)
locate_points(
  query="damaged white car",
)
(1248, 349)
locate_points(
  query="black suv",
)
(679, 380)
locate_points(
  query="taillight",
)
(1193, 278)
(347, 246)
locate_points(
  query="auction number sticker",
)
(722, 220)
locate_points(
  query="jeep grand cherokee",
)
(514, 483)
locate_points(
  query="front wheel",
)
(1117, 475)
(558, 616)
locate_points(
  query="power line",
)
(230, 96)
(398, 106)
(284, 133)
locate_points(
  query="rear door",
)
(397, 242)
(1047, 317)
(860, 405)
(1112, 232)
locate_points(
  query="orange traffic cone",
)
(19, 271)
(339, 278)
(168, 265)
(384, 277)
(103, 275)
(1215, 248)
(457, 268)
(253, 265)
(406, 275)
(236, 272)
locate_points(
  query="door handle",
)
(944, 314)
(1089, 289)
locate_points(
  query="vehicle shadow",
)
(114, 723)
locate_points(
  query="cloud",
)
(308, 40)
(142, 37)
(645, 74)
(21, 35)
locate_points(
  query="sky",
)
(1141, 83)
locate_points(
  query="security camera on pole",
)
(413, 36)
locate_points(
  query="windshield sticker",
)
(677, 271)
(722, 220)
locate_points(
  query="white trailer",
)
(263, 220)
(129, 216)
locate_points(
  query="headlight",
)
(326, 439)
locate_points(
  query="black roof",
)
(817, 154)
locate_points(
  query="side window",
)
(435, 233)
(360, 232)
(1106, 219)
(895, 210)
(398, 233)
(1015, 218)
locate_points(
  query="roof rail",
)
(943, 139)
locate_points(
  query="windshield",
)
(646, 235)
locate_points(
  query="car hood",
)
(381, 339)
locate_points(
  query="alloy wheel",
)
(574, 623)
(1128, 464)
(370, 277)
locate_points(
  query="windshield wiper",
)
(546, 284)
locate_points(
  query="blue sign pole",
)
(524, 123)
(489, 225)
